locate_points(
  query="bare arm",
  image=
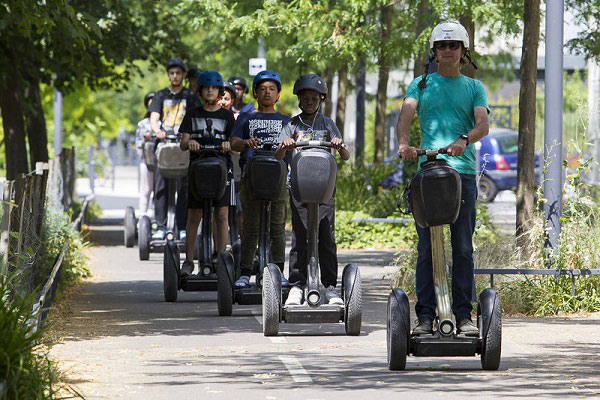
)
(409, 107)
(480, 130)
(154, 118)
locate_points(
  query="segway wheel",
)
(398, 330)
(129, 227)
(490, 328)
(237, 258)
(171, 271)
(225, 283)
(352, 291)
(271, 300)
(144, 238)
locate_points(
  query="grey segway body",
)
(265, 175)
(434, 197)
(313, 175)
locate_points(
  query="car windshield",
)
(509, 144)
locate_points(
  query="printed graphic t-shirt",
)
(208, 127)
(264, 126)
(323, 129)
(445, 112)
(172, 107)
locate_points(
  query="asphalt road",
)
(121, 340)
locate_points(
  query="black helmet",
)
(193, 73)
(238, 80)
(231, 89)
(147, 98)
(176, 62)
(312, 82)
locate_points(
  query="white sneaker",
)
(294, 296)
(332, 296)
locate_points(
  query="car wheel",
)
(487, 190)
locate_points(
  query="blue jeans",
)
(461, 233)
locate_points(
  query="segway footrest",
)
(195, 283)
(304, 314)
(442, 346)
(248, 296)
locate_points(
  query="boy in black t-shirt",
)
(207, 125)
(312, 125)
(264, 125)
(166, 113)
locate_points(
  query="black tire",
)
(487, 189)
(225, 284)
(352, 292)
(398, 330)
(491, 343)
(144, 238)
(236, 249)
(129, 227)
(271, 305)
(170, 272)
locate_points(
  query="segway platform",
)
(305, 314)
(438, 345)
(198, 283)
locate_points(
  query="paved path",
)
(123, 341)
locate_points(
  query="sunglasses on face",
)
(450, 45)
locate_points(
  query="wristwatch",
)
(466, 137)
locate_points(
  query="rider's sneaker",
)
(424, 327)
(243, 282)
(467, 327)
(332, 296)
(284, 281)
(182, 234)
(159, 235)
(187, 268)
(294, 296)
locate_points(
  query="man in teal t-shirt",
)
(452, 110)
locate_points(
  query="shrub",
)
(25, 370)
(367, 235)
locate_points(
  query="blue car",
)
(498, 163)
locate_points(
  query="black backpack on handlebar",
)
(434, 194)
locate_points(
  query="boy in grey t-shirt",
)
(312, 125)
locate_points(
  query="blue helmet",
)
(266, 75)
(210, 78)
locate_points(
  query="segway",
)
(266, 175)
(435, 198)
(207, 181)
(313, 182)
(130, 228)
(172, 163)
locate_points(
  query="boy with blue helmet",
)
(262, 125)
(209, 124)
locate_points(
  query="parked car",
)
(498, 163)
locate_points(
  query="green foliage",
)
(25, 370)
(367, 235)
(57, 232)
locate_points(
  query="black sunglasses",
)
(450, 45)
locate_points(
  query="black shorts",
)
(225, 200)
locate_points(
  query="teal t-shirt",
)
(445, 111)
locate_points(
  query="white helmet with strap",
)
(449, 30)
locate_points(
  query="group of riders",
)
(211, 112)
(452, 110)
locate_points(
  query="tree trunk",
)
(525, 162)
(328, 76)
(422, 23)
(35, 124)
(340, 112)
(466, 21)
(14, 129)
(383, 62)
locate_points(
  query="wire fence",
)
(51, 186)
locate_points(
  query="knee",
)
(194, 216)
(221, 215)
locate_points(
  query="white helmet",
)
(449, 30)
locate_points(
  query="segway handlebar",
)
(424, 152)
(316, 143)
